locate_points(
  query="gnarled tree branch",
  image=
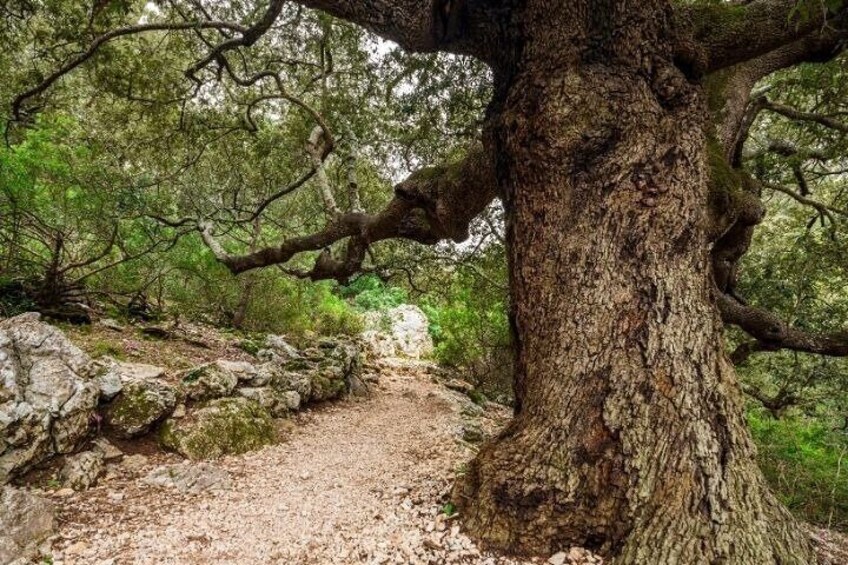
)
(457, 26)
(732, 33)
(772, 333)
(18, 102)
(430, 205)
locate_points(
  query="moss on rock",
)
(140, 406)
(221, 427)
(212, 380)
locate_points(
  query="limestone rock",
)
(459, 386)
(81, 471)
(26, 521)
(190, 478)
(110, 384)
(402, 331)
(331, 368)
(292, 400)
(107, 449)
(472, 432)
(139, 407)
(135, 463)
(129, 372)
(277, 349)
(223, 426)
(244, 371)
(264, 374)
(297, 381)
(212, 380)
(47, 396)
(277, 403)
(558, 558)
(111, 324)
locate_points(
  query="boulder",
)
(81, 471)
(264, 374)
(245, 372)
(292, 400)
(134, 463)
(209, 381)
(111, 324)
(47, 395)
(299, 382)
(277, 349)
(221, 427)
(25, 522)
(189, 478)
(106, 449)
(277, 403)
(109, 384)
(333, 368)
(402, 331)
(139, 407)
(129, 372)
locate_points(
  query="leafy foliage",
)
(805, 463)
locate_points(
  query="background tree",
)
(615, 137)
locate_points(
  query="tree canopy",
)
(153, 146)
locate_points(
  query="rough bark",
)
(629, 436)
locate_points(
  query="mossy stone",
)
(226, 426)
(140, 406)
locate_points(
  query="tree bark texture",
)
(629, 436)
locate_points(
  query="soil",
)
(357, 481)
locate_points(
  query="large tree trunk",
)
(629, 436)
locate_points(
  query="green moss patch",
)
(227, 426)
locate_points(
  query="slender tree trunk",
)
(629, 436)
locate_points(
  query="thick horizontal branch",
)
(457, 26)
(773, 334)
(409, 23)
(246, 39)
(732, 33)
(430, 205)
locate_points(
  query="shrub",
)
(806, 464)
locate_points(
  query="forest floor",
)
(358, 481)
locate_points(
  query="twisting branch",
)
(823, 209)
(732, 33)
(787, 149)
(430, 205)
(773, 334)
(797, 115)
(18, 102)
(247, 38)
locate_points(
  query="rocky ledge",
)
(58, 407)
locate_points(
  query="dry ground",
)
(355, 482)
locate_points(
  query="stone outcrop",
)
(26, 520)
(47, 395)
(51, 389)
(209, 381)
(277, 349)
(277, 403)
(81, 471)
(226, 426)
(140, 406)
(402, 331)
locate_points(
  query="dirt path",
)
(356, 482)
